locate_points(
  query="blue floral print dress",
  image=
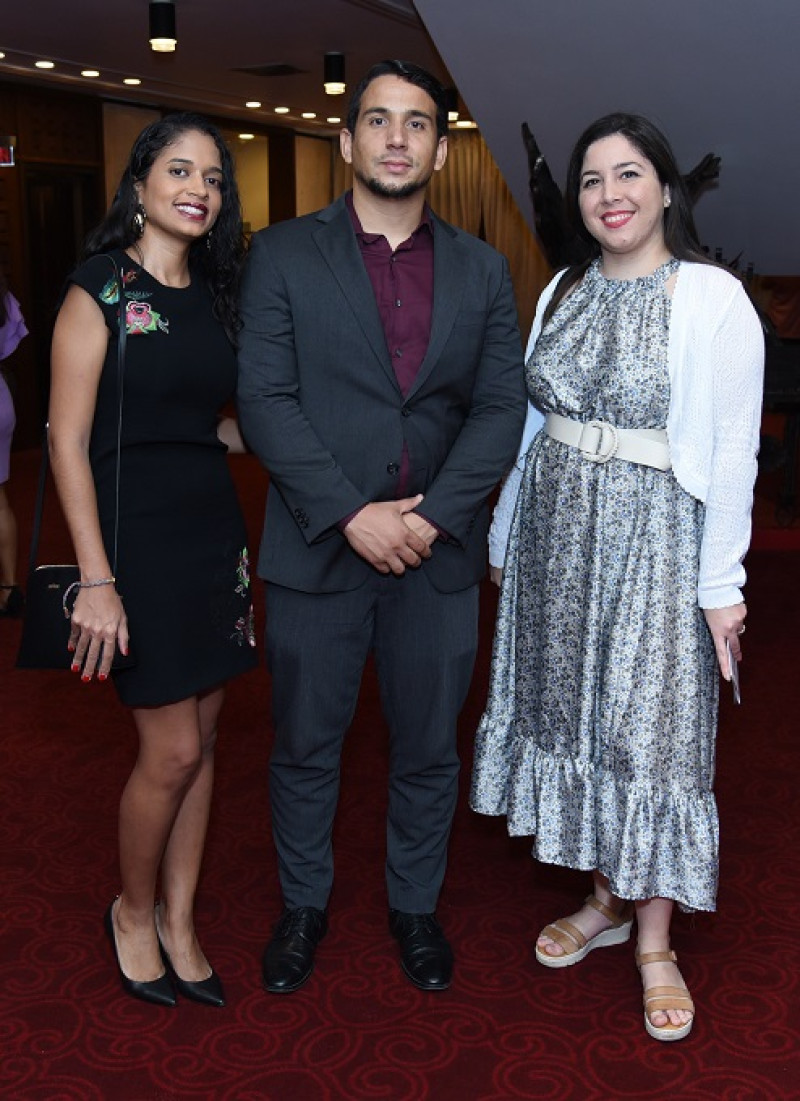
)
(182, 567)
(599, 733)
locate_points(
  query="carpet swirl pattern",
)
(507, 1028)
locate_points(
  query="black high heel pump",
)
(158, 991)
(206, 991)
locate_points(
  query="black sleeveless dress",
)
(182, 564)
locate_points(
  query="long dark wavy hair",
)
(217, 258)
(680, 235)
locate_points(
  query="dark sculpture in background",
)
(560, 243)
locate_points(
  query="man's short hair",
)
(405, 70)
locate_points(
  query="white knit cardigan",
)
(716, 367)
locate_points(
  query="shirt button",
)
(393, 468)
(398, 352)
(398, 302)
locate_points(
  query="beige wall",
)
(252, 175)
(313, 173)
(122, 124)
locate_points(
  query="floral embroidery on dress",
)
(110, 292)
(243, 572)
(244, 628)
(140, 317)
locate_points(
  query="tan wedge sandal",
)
(660, 999)
(576, 946)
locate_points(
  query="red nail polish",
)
(86, 678)
(74, 668)
(102, 676)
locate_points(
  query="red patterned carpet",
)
(507, 1028)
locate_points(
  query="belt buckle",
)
(607, 442)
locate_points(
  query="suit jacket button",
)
(405, 411)
(393, 468)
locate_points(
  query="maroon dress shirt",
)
(402, 281)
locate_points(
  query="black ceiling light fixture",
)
(334, 74)
(451, 96)
(163, 36)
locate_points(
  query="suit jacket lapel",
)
(449, 277)
(336, 241)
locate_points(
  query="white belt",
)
(599, 441)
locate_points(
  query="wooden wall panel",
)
(59, 128)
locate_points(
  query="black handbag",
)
(46, 619)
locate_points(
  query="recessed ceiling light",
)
(246, 137)
(45, 65)
(281, 110)
(466, 124)
(333, 120)
(309, 114)
(254, 103)
(90, 72)
(131, 80)
(2, 55)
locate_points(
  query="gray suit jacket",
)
(320, 405)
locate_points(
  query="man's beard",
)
(386, 191)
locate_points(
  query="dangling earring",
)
(667, 200)
(139, 219)
(208, 239)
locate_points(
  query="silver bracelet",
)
(82, 585)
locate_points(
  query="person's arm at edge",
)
(80, 339)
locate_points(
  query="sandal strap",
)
(565, 934)
(655, 957)
(661, 998)
(616, 920)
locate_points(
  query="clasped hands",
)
(390, 535)
(98, 625)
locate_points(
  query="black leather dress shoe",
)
(158, 992)
(205, 991)
(289, 956)
(427, 958)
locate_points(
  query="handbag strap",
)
(45, 463)
(122, 338)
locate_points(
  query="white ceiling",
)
(720, 76)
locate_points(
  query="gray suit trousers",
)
(424, 643)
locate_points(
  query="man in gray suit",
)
(381, 385)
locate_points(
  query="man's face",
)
(394, 150)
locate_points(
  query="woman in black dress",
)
(166, 259)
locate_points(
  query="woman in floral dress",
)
(173, 579)
(620, 533)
